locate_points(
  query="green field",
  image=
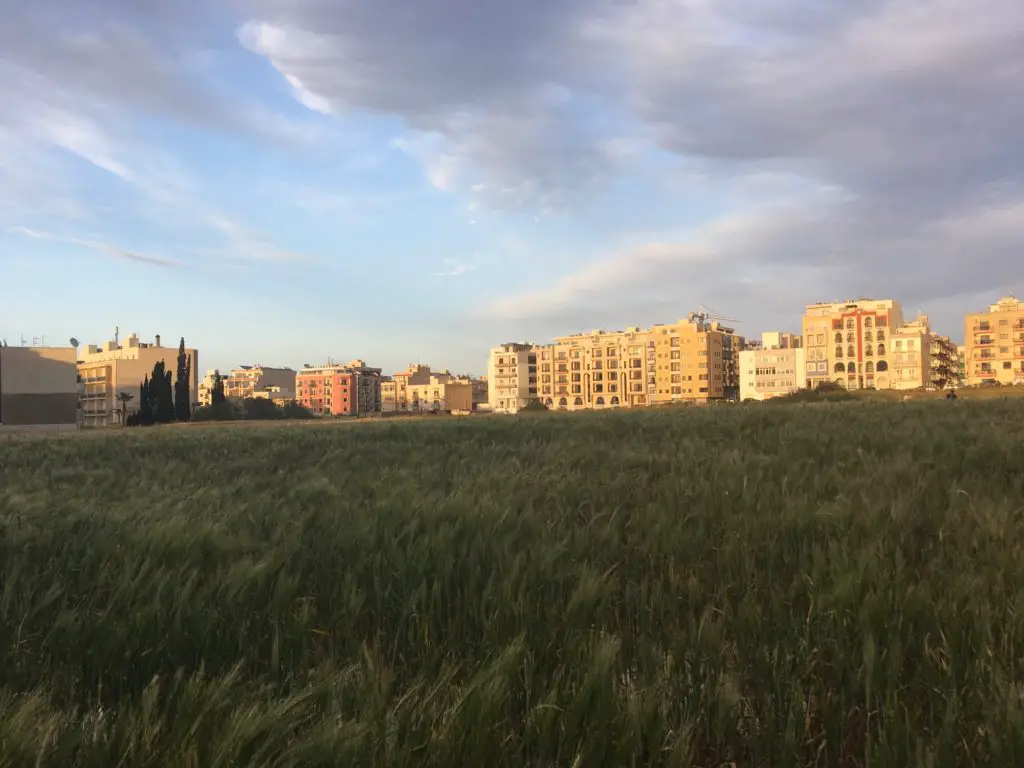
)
(823, 585)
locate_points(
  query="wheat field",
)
(819, 585)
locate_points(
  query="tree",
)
(259, 409)
(145, 415)
(217, 394)
(124, 398)
(182, 401)
(157, 406)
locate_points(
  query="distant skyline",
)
(286, 181)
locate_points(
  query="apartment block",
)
(420, 389)
(394, 390)
(691, 360)
(111, 375)
(994, 343)
(352, 389)
(848, 342)
(911, 354)
(776, 368)
(946, 362)
(205, 392)
(245, 381)
(511, 377)
(38, 388)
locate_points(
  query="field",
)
(821, 585)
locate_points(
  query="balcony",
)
(982, 327)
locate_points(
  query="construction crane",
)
(705, 314)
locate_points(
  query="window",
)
(839, 351)
(839, 338)
(881, 349)
(850, 351)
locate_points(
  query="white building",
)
(774, 370)
(511, 377)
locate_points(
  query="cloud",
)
(97, 246)
(893, 123)
(480, 93)
(455, 268)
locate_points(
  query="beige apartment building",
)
(911, 354)
(111, 375)
(38, 388)
(994, 343)
(247, 380)
(205, 393)
(688, 361)
(420, 389)
(776, 369)
(848, 342)
(511, 377)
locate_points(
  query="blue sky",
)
(283, 182)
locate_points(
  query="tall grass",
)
(827, 585)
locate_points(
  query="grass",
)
(822, 585)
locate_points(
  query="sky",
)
(291, 181)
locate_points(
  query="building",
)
(911, 354)
(113, 373)
(205, 393)
(848, 342)
(277, 395)
(420, 389)
(511, 377)
(690, 361)
(352, 389)
(480, 396)
(994, 343)
(38, 388)
(777, 367)
(245, 381)
(946, 363)
(394, 391)
(441, 392)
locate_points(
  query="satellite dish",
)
(74, 342)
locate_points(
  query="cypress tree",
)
(217, 396)
(182, 406)
(145, 403)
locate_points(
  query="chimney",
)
(158, 339)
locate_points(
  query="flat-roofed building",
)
(38, 388)
(847, 342)
(911, 354)
(246, 380)
(113, 373)
(352, 389)
(775, 369)
(511, 377)
(994, 343)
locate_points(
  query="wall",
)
(38, 386)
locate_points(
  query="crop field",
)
(820, 585)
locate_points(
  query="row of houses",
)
(857, 344)
(351, 389)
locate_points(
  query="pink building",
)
(352, 389)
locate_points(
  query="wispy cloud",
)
(246, 244)
(455, 268)
(97, 246)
